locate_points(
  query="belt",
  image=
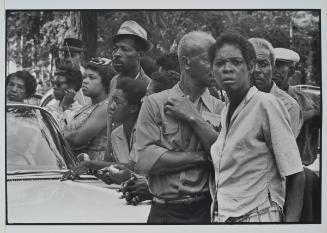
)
(183, 200)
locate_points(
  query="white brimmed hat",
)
(132, 29)
(286, 55)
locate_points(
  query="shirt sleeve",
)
(280, 138)
(302, 98)
(56, 111)
(148, 134)
(69, 113)
(297, 119)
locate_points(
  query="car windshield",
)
(31, 141)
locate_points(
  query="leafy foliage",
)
(32, 34)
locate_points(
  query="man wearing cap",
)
(286, 60)
(128, 47)
(308, 138)
(173, 138)
(262, 78)
(69, 56)
(71, 51)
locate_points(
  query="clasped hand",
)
(115, 173)
(136, 190)
(181, 108)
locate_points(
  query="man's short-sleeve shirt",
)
(292, 106)
(157, 133)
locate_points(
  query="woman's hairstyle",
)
(147, 64)
(29, 81)
(165, 79)
(133, 89)
(236, 39)
(73, 76)
(104, 68)
(168, 61)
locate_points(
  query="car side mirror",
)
(83, 157)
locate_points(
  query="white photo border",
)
(166, 4)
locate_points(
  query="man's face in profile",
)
(281, 73)
(70, 58)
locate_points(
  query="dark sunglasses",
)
(58, 84)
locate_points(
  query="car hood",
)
(53, 201)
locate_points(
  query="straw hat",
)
(132, 29)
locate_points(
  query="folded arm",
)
(184, 110)
(151, 156)
(91, 128)
(172, 162)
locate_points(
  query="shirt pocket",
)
(170, 131)
(169, 127)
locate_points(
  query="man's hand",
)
(136, 190)
(104, 177)
(181, 108)
(68, 99)
(116, 173)
(73, 174)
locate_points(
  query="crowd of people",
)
(208, 134)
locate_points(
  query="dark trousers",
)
(311, 210)
(196, 212)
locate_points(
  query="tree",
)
(83, 25)
(31, 35)
(89, 33)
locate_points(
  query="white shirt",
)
(63, 117)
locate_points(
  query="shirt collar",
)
(121, 134)
(140, 73)
(273, 88)
(251, 92)
(205, 97)
(57, 103)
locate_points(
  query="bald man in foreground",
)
(174, 132)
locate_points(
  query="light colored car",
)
(309, 89)
(37, 156)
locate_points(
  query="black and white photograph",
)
(145, 117)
